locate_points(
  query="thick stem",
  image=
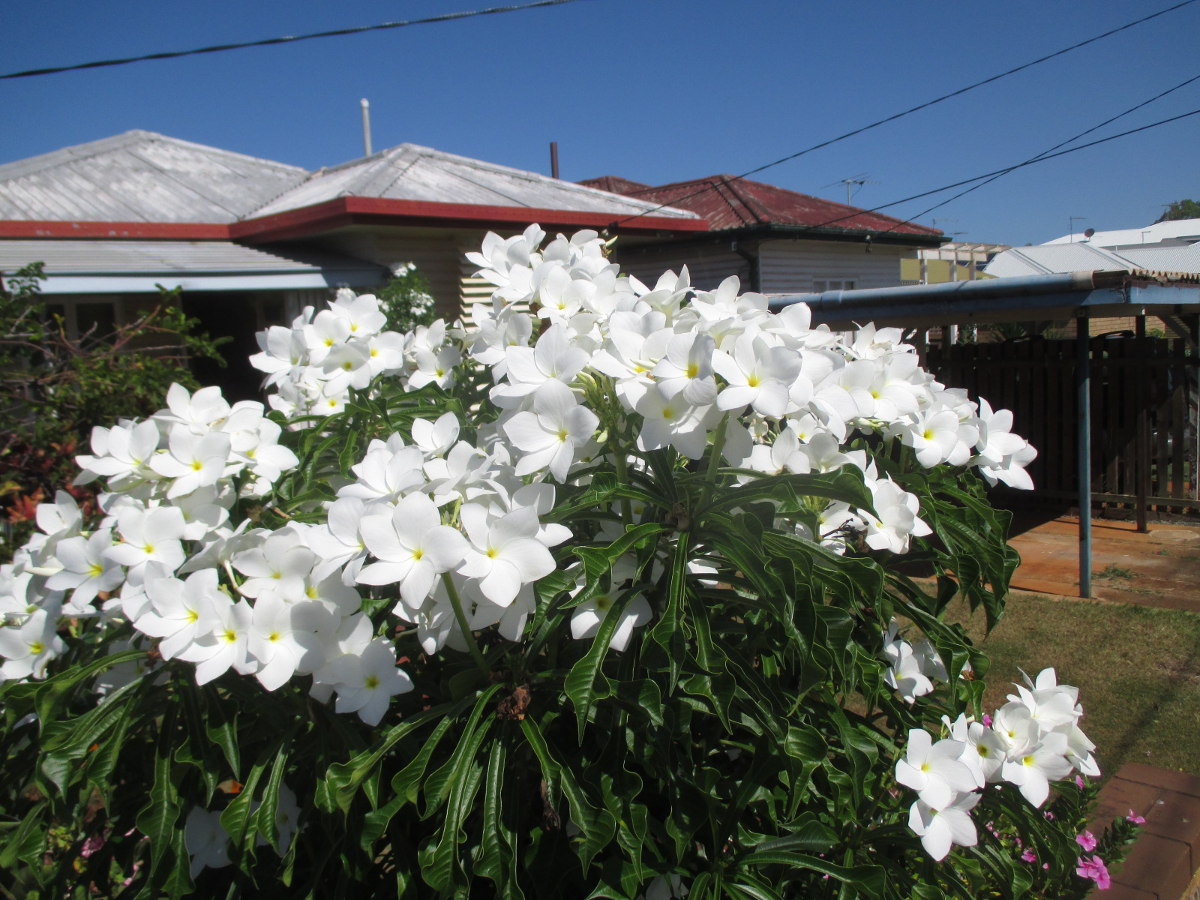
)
(718, 444)
(464, 626)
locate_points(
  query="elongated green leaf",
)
(268, 811)
(342, 780)
(667, 632)
(580, 684)
(442, 865)
(597, 826)
(158, 819)
(441, 781)
(55, 691)
(495, 854)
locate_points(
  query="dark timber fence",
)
(1144, 414)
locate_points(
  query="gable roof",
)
(412, 172)
(142, 185)
(728, 202)
(140, 176)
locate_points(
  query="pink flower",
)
(1135, 818)
(1029, 856)
(1087, 841)
(1079, 782)
(1094, 869)
(987, 721)
(91, 845)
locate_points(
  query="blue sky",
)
(655, 91)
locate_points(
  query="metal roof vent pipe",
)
(366, 126)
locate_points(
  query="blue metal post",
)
(1083, 372)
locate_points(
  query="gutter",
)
(962, 301)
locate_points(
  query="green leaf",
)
(342, 780)
(268, 812)
(222, 731)
(597, 826)
(580, 683)
(54, 692)
(667, 632)
(441, 781)
(158, 819)
(497, 849)
(441, 863)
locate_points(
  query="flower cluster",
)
(450, 522)
(173, 480)
(1031, 741)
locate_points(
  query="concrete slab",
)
(1160, 568)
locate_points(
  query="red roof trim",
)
(344, 211)
(119, 231)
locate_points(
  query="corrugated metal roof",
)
(412, 172)
(728, 202)
(1079, 257)
(1178, 230)
(119, 266)
(140, 176)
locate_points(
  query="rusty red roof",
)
(728, 202)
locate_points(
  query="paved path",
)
(1160, 568)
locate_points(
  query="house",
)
(953, 261)
(251, 241)
(775, 240)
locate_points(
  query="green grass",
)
(1137, 670)
(1113, 571)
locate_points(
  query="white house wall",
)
(793, 266)
(707, 265)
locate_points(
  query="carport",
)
(1077, 296)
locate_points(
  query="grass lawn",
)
(1137, 670)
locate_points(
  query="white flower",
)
(412, 548)
(366, 682)
(550, 435)
(505, 551)
(939, 829)
(206, 839)
(29, 647)
(934, 771)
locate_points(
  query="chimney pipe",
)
(366, 126)
(554, 159)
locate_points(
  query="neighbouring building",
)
(251, 241)
(775, 240)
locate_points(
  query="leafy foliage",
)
(55, 386)
(743, 743)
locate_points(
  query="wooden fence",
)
(1144, 413)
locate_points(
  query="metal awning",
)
(1074, 295)
(132, 267)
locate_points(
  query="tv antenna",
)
(860, 179)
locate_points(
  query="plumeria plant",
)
(596, 594)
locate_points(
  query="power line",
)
(1070, 140)
(288, 39)
(997, 172)
(892, 118)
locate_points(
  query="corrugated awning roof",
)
(113, 267)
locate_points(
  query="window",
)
(821, 285)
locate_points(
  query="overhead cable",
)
(892, 118)
(288, 39)
(1004, 171)
(912, 219)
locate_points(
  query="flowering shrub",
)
(595, 595)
